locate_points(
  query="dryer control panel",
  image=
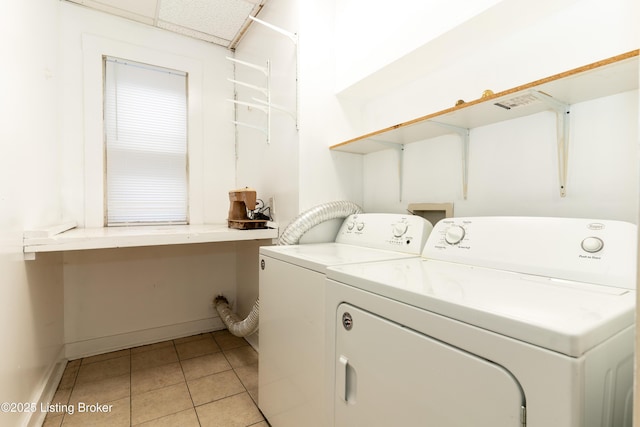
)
(394, 232)
(586, 250)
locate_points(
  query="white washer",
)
(503, 322)
(292, 285)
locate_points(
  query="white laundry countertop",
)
(43, 240)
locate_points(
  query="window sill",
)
(66, 237)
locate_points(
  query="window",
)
(145, 127)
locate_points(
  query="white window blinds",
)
(145, 117)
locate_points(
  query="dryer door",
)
(388, 375)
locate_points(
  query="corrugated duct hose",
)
(290, 236)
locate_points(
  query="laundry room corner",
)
(247, 291)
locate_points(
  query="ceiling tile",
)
(219, 18)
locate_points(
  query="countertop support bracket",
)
(464, 139)
(562, 111)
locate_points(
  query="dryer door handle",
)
(346, 380)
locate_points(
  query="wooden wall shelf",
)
(603, 78)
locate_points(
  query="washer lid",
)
(319, 256)
(564, 316)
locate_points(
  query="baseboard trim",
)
(44, 395)
(91, 347)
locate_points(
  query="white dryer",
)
(503, 322)
(292, 281)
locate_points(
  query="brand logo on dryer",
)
(595, 226)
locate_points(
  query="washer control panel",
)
(595, 251)
(395, 232)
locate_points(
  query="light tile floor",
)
(204, 380)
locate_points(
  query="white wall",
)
(370, 38)
(31, 312)
(324, 175)
(119, 298)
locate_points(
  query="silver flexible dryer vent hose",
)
(235, 325)
(290, 236)
(314, 216)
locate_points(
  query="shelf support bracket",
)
(250, 86)
(292, 36)
(277, 107)
(263, 70)
(562, 111)
(260, 107)
(247, 125)
(464, 139)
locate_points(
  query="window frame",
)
(125, 62)
(94, 48)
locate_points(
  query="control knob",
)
(454, 234)
(400, 228)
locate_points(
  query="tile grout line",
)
(193, 405)
(73, 386)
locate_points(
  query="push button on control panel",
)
(592, 244)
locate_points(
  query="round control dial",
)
(592, 244)
(400, 228)
(454, 234)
